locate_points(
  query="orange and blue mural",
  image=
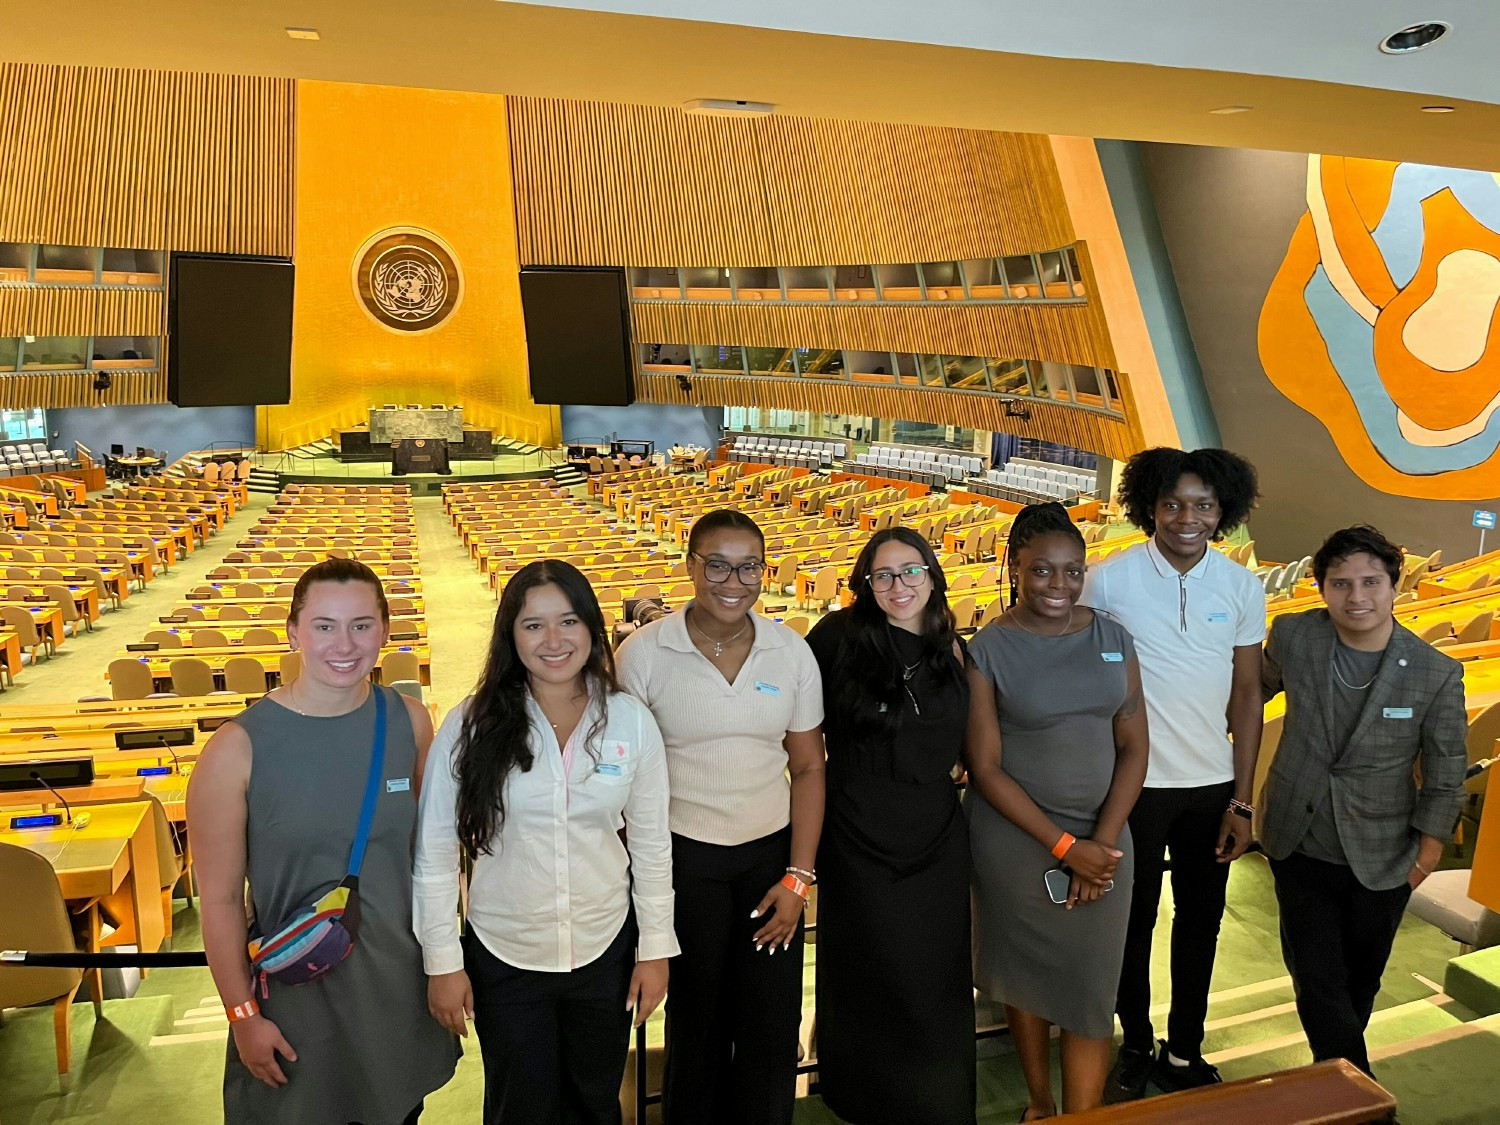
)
(1381, 323)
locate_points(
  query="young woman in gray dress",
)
(275, 798)
(1056, 752)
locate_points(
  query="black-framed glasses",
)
(717, 570)
(883, 580)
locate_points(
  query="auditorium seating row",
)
(19, 459)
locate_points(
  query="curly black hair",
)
(1152, 473)
(1032, 522)
(1361, 539)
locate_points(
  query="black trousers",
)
(1336, 936)
(732, 1014)
(1186, 823)
(553, 1044)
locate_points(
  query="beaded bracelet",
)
(804, 874)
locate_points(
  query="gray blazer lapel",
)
(1320, 641)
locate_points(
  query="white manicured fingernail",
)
(757, 947)
(773, 951)
(755, 913)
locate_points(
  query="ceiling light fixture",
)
(1226, 110)
(302, 33)
(724, 107)
(1437, 109)
(1415, 37)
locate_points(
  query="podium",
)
(418, 455)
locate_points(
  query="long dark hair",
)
(1032, 522)
(496, 733)
(868, 658)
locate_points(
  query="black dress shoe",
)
(1127, 1078)
(1171, 1077)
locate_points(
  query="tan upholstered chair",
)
(191, 676)
(260, 636)
(399, 665)
(245, 675)
(163, 638)
(170, 862)
(130, 678)
(234, 613)
(36, 917)
(290, 667)
(62, 597)
(19, 619)
(209, 638)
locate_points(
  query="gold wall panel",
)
(1062, 333)
(1050, 421)
(33, 310)
(57, 389)
(607, 184)
(143, 159)
(358, 174)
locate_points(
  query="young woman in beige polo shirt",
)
(739, 701)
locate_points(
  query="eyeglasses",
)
(717, 570)
(883, 580)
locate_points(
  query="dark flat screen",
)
(230, 329)
(578, 336)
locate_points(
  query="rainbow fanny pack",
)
(319, 936)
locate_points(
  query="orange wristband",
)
(1064, 842)
(242, 1011)
(795, 885)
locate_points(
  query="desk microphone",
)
(167, 746)
(40, 780)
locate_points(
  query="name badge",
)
(1112, 657)
(768, 689)
(609, 769)
(1218, 617)
(1397, 712)
(398, 785)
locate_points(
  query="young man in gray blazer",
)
(1349, 831)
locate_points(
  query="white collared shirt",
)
(724, 741)
(555, 888)
(1186, 628)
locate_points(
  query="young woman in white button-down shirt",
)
(547, 762)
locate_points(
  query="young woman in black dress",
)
(895, 1002)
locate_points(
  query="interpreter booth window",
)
(943, 281)
(930, 370)
(131, 267)
(1112, 386)
(15, 261)
(54, 353)
(933, 434)
(770, 361)
(1086, 388)
(869, 367)
(1021, 277)
(984, 279)
(21, 425)
(67, 265)
(651, 282)
(899, 283)
(1055, 283)
(123, 352)
(10, 353)
(854, 283)
(719, 359)
(1075, 275)
(1009, 376)
(806, 283)
(820, 363)
(756, 283)
(964, 372)
(666, 357)
(707, 284)
(908, 373)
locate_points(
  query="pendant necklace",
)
(719, 646)
(907, 672)
(1013, 616)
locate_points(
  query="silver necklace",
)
(291, 700)
(1011, 613)
(1333, 658)
(719, 646)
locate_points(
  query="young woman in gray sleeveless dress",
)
(1056, 753)
(276, 799)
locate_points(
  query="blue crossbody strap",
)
(372, 787)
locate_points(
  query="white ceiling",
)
(1140, 69)
(1324, 40)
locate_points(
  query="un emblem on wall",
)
(407, 279)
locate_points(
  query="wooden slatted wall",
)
(146, 159)
(606, 184)
(1050, 421)
(55, 389)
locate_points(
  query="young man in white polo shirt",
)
(1198, 621)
